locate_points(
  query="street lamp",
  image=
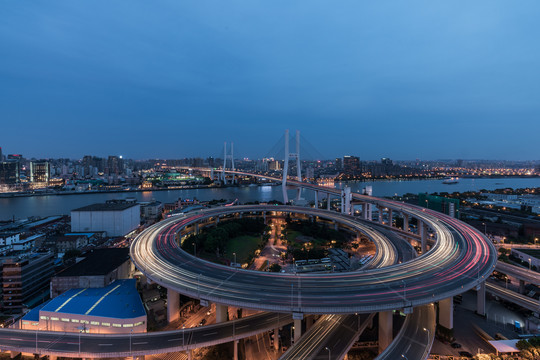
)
(426, 330)
(130, 335)
(194, 248)
(183, 332)
(403, 356)
(329, 352)
(234, 260)
(292, 330)
(529, 264)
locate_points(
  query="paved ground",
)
(499, 320)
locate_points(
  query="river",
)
(22, 207)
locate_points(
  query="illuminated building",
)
(40, 172)
(9, 172)
(351, 164)
(116, 308)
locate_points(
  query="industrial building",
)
(116, 308)
(115, 217)
(99, 268)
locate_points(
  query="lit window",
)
(116, 325)
(44, 317)
(75, 320)
(54, 318)
(94, 322)
(106, 324)
(64, 319)
(84, 322)
(128, 325)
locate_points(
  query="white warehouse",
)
(115, 217)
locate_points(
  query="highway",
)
(461, 258)
(101, 346)
(412, 341)
(518, 272)
(514, 297)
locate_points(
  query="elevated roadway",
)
(518, 272)
(514, 297)
(461, 259)
(108, 345)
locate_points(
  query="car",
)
(203, 321)
(465, 354)
(208, 313)
(456, 345)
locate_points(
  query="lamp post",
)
(234, 260)
(194, 248)
(36, 340)
(183, 332)
(426, 330)
(404, 290)
(404, 357)
(80, 331)
(292, 340)
(329, 352)
(529, 264)
(130, 335)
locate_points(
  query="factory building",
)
(114, 309)
(115, 217)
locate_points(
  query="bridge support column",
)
(380, 208)
(446, 313)
(405, 222)
(328, 201)
(481, 299)
(390, 216)
(316, 199)
(335, 225)
(221, 313)
(264, 217)
(385, 329)
(173, 305)
(297, 329)
(190, 354)
(235, 351)
(423, 235)
(276, 338)
(196, 228)
(521, 287)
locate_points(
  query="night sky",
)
(170, 79)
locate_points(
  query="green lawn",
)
(292, 235)
(243, 246)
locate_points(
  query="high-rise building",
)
(339, 164)
(25, 281)
(40, 171)
(351, 164)
(9, 172)
(1, 156)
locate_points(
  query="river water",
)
(22, 207)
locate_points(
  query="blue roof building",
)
(116, 308)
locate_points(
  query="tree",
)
(275, 268)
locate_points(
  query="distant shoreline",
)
(194, 187)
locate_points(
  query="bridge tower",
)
(288, 156)
(225, 158)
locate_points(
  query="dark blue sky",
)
(402, 79)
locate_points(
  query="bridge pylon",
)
(288, 156)
(225, 158)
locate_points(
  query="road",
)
(518, 272)
(459, 260)
(100, 346)
(514, 297)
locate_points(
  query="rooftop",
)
(108, 206)
(98, 262)
(118, 300)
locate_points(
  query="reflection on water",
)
(54, 205)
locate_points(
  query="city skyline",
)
(423, 80)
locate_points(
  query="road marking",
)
(175, 339)
(243, 326)
(140, 343)
(73, 343)
(15, 339)
(105, 344)
(208, 334)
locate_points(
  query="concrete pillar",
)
(196, 228)
(481, 299)
(190, 354)
(423, 235)
(276, 339)
(264, 217)
(297, 329)
(364, 211)
(235, 353)
(173, 305)
(335, 225)
(390, 216)
(309, 322)
(406, 222)
(316, 199)
(328, 201)
(385, 329)
(221, 313)
(521, 287)
(380, 214)
(446, 313)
